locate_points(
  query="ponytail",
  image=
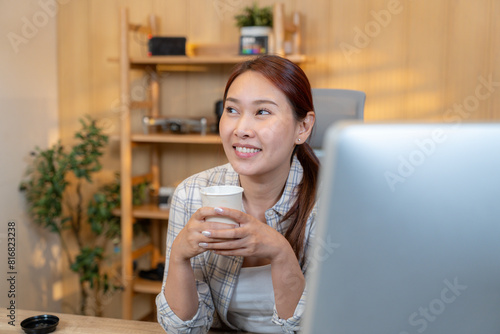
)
(306, 198)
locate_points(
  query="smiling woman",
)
(250, 276)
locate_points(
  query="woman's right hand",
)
(187, 243)
(180, 285)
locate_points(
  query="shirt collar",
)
(289, 192)
(232, 178)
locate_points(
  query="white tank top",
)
(252, 303)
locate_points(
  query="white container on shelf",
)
(255, 31)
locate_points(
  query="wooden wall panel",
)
(385, 59)
(493, 109)
(204, 25)
(172, 17)
(468, 54)
(426, 54)
(314, 36)
(74, 66)
(104, 93)
(346, 52)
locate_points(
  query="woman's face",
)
(258, 129)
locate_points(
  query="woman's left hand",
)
(252, 238)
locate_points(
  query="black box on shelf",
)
(167, 46)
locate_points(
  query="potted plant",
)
(255, 20)
(256, 23)
(59, 197)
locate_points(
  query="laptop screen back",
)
(408, 234)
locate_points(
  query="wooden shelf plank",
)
(146, 211)
(146, 286)
(201, 60)
(176, 138)
(150, 211)
(141, 105)
(149, 248)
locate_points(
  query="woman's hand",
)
(187, 243)
(256, 239)
(180, 286)
(252, 238)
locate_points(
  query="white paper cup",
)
(222, 196)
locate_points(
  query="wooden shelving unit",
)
(128, 213)
(128, 140)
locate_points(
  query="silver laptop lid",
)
(408, 234)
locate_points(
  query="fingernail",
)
(219, 210)
(206, 233)
(203, 244)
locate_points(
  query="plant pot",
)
(257, 32)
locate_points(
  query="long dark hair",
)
(293, 82)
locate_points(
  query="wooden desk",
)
(79, 324)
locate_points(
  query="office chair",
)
(332, 105)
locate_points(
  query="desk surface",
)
(78, 324)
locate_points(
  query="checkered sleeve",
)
(180, 212)
(293, 324)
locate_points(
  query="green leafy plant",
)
(60, 197)
(255, 16)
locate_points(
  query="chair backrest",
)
(332, 105)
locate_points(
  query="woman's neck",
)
(261, 193)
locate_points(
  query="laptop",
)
(408, 231)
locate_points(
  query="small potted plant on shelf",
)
(254, 19)
(255, 25)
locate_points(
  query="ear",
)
(305, 127)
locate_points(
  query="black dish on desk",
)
(40, 324)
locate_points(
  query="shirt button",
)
(269, 213)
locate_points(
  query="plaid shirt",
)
(216, 275)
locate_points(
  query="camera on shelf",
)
(165, 197)
(175, 125)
